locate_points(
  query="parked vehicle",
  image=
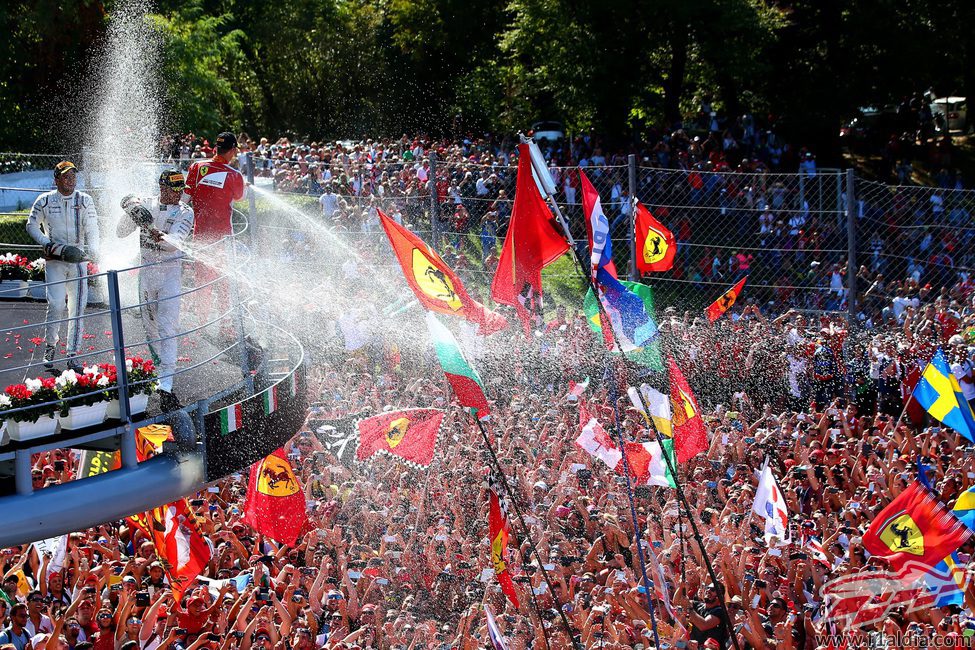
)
(956, 109)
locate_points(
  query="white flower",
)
(38, 264)
(5, 401)
(102, 381)
(66, 378)
(91, 370)
(33, 385)
(128, 365)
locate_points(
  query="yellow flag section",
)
(436, 286)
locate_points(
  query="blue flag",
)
(633, 326)
(940, 395)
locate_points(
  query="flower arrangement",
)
(91, 386)
(33, 392)
(82, 389)
(36, 269)
(14, 267)
(140, 373)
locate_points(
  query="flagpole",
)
(525, 532)
(629, 493)
(543, 174)
(682, 498)
(587, 278)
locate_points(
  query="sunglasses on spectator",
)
(100, 616)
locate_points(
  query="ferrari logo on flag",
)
(396, 432)
(655, 247)
(498, 546)
(275, 478)
(682, 415)
(433, 282)
(902, 535)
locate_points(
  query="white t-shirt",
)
(960, 370)
(330, 203)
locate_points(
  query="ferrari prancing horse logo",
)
(396, 432)
(275, 478)
(433, 281)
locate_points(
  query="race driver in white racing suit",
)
(65, 224)
(164, 224)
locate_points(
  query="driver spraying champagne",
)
(163, 225)
(65, 224)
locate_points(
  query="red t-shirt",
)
(214, 186)
(104, 640)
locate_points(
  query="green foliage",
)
(198, 52)
(348, 68)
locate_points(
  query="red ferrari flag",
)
(499, 527)
(655, 244)
(534, 241)
(725, 302)
(410, 435)
(179, 542)
(436, 286)
(275, 504)
(690, 437)
(915, 532)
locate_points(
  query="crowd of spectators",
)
(399, 558)
(731, 195)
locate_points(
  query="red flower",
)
(18, 391)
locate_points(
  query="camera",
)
(142, 599)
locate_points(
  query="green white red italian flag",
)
(231, 418)
(270, 398)
(460, 374)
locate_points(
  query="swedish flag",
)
(965, 508)
(940, 395)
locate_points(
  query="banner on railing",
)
(244, 432)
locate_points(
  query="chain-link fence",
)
(789, 233)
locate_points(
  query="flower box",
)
(37, 290)
(13, 289)
(79, 417)
(137, 406)
(20, 431)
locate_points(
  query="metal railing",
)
(125, 340)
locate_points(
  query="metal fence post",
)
(434, 203)
(851, 243)
(631, 235)
(251, 200)
(127, 446)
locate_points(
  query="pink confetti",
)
(8, 355)
(37, 340)
(26, 322)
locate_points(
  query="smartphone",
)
(749, 440)
(196, 502)
(382, 581)
(216, 638)
(761, 584)
(179, 631)
(59, 466)
(798, 556)
(142, 599)
(548, 567)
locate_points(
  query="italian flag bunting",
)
(231, 418)
(270, 398)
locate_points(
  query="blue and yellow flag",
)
(948, 581)
(965, 508)
(940, 395)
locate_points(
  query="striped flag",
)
(231, 418)
(270, 399)
(816, 552)
(494, 632)
(293, 384)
